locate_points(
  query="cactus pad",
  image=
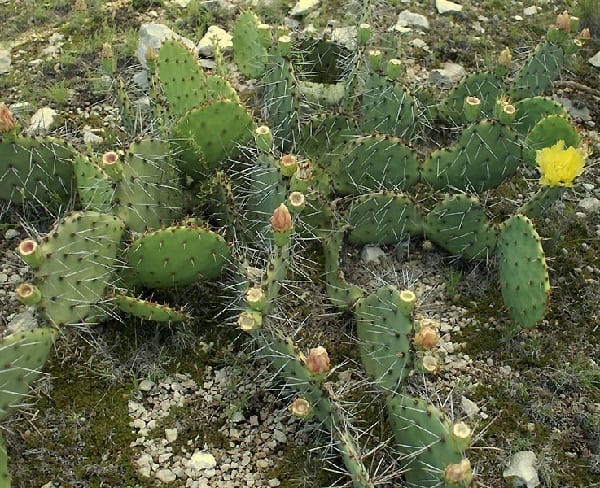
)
(532, 110)
(547, 132)
(523, 272)
(249, 52)
(485, 155)
(147, 310)
(373, 163)
(541, 69)
(94, 187)
(22, 356)
(460, 226)
(177, 255)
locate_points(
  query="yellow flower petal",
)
(559, 166)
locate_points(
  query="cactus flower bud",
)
(317, 361)
(375, 57)
(112, 165)
(288, 163)
(281, 219)
(256, 298)
(585, 34)
(296, 201)
(285, 45)
(28, 294)
(300, 408)
(430, 364)
(364, 33)
(427, 337)
(563, 22)
(248, 321)
(7, 122)
(30, 252)
(263, 138)
(459, 473)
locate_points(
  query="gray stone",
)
(450, 74)
(577, 111)
(202, 460)
(469, 407)
(213, 35)
(595, 60)
(41, 122)
(529, 11)
(146, 385)
(521, 471)
(304, 7)
(165, 475)
(589, 205)
(5, 60)
(11, 234)
(447, 7)
(409, 19)
(171, 435)
(346, 36)
(372, 254)
(153, 35)
(141, 79)
(92, 139)
(182, 3)
(22, 322)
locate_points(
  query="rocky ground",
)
(128, 405)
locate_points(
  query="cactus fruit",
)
(149, 193)
(431, 448)
(146, 309)
(78, 258)
(523, 273)
(382, 218)
(36, 171)
(383, 331)
(249, 46)
(210, 133)
(485, 155)
(373, 163)
(460, 226)
(177, 255)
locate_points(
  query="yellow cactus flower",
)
(559, 166)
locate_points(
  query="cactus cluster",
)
(350, 175)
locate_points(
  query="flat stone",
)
(171, 435)
(165, 475)
(469, 407)
(345, 36)
(420, 43)
(41, 122)
(589, 205)
(202, 460)
(410, 19)
(141, 79)
(146, 385)
(521, 471)
(372, 254)
(576, 110)
(529, 11)
(11, 234)
(214, 35)
(22, 322)
(447, 7)
(5, 61)
(449, 75)
(304, 7)
(595, 60)
(153, 35)
(92, 139)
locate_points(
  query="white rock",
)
(141, 79)
(595, 60)
(521, 471)
(171, 435)
(589, 205)
(345, 36)
(182, 3)
(410, 19)
(41, 122)
(450, 74)
(56, 39)
(303, 7)
(372, 254)
(202, 460)
(214, 35)
(22, 322)
(154, 35)
(445, 6)
(529, 11)
(469, 407)
(5, 61)
(420, 43)
(92, 139)
(146, 385)
(11, 234)
(166, 475)
(518, 18)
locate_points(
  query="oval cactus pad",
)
(177, 255)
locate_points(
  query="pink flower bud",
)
(317, 361)
(281, 219)
(7, 122)
(563, 21)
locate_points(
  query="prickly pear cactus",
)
(75, 264)
(523, 272)
(542, 68)
(177, 255)
(250, 45)
(147, 310)
(94, 186)
(36, 171)
(547, 132)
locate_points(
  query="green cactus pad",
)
(531, 110)
(149, 194)
(460, 226)
(388, 108)
(94, 186)
(4, 474)
(425, 441)
(485, 155)
(523, 272)
(249, 52)
(485, 86)
(322, 136)
(36, 172)
(177, 255)
(22, 356)
(547, 132)
(383, 332)
(382, 218)
(146, 309)
(541, 69)
(373, 163)
(79, 258)
(210, 134)
(282, 102)
(340, 293)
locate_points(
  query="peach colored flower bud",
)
(7, 122)
(585, 34)
(459, 473)
(317, 361)
(426, 338)
(563, 21)
(300, 408)
(281, 219)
